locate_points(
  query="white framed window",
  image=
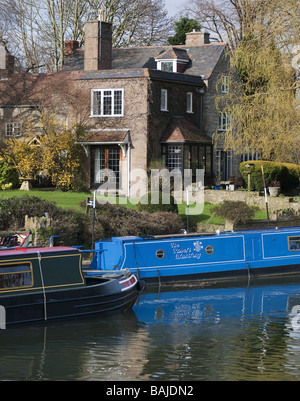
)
(164, 100)
(225, 121)
(13, 129)
(167, 65)
(107, 103)
(225, 84)
(189, 102)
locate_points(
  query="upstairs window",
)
(107, 103)
(168, 66)
(225, 121)
(189, 102)
(225, 84)
(13, 129)
(164, 100)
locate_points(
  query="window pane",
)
(118, 103)
(189, 102)
(107, 103)
(167, 66)
(164, 100)
(113, 164)
(294, 243)
(97, 103)
(174, 158)
(208, 162)
(13, 276)
(99, 165)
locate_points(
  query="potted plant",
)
(274, 188)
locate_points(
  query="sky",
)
(173, 6)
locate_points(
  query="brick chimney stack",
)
(194, 39)
(70, 47)
(98, 45)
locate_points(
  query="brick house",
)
(139, 105)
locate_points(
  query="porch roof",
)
(106, 137)
(180, 130)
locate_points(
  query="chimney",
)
(194, 39)
(98, 45)
(7, 61)
(70, 47)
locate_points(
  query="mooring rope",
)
(43, 285)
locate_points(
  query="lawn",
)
(65, 200)
(72, 200)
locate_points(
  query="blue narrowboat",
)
(215, 256)
(40, 284)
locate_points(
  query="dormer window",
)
(172, 60)
(168, 66)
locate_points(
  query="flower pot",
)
(274, 191)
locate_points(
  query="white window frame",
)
(13, 129)
(171, 61)
(189, 102)
(225, 83)
(225, 121)
(104, 94)
(164, 100)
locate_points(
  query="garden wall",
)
(253, 199)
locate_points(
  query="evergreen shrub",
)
(286, 173)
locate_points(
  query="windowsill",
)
(189, 112)
(117, 116)
(166, 111)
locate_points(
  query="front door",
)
(106, 165)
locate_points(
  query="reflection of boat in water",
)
(188, 304)
(178, 258)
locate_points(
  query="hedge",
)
(287, 173)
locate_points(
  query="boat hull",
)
(227, 256)
(102, 297)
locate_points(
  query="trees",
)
(55, 154)
(262, 105)
(232, 20)
(183, 26)
(36, 30)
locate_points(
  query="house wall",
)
(135, 116)
(210, 112)
(177, 106)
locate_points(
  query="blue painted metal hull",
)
(182, 258)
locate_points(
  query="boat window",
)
(209, 250)
(15, 275)
(160, 254)
(294, 244)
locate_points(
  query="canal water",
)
(243, 331)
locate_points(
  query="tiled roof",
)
(180, 130)
(203, 58)
(106, 136)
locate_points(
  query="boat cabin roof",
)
(34, 250)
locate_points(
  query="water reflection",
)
(240, 332)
